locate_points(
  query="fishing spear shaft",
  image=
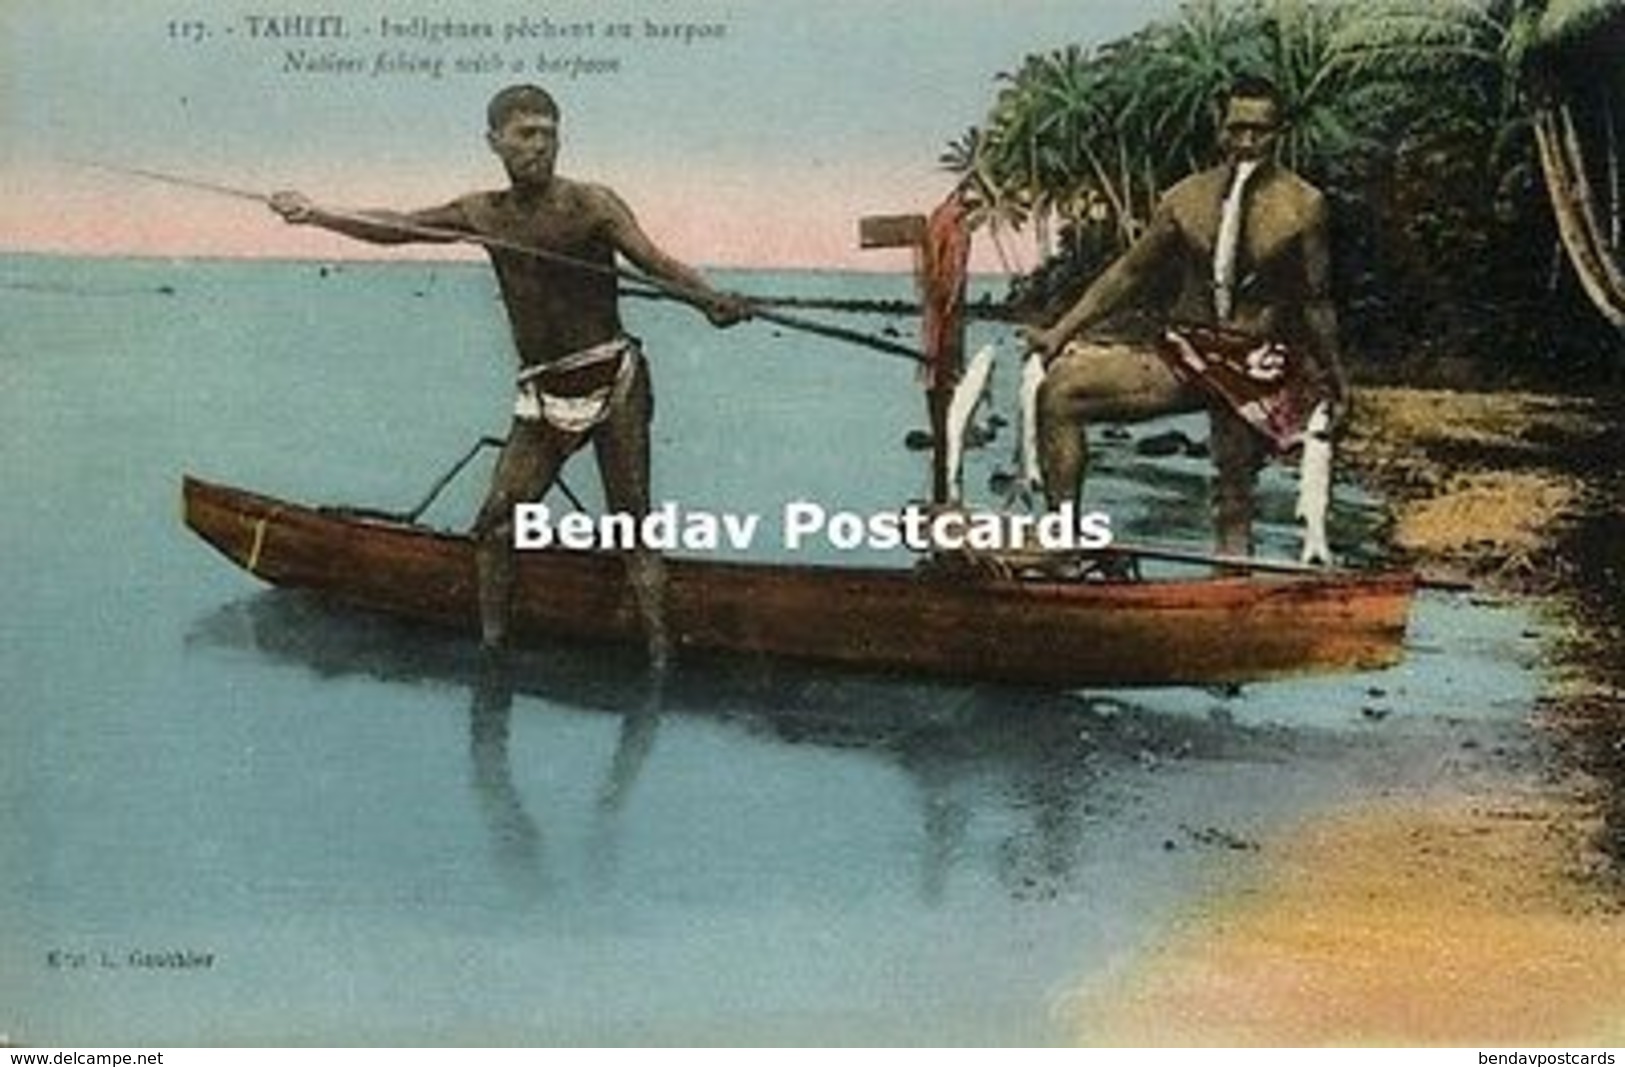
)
(436, 233)
(180, 180)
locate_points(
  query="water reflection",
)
(1047, 767)
(516, 837)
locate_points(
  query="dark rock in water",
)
(1011, 488)
(996, 422)
(975, 437)
(166, 290)
(1216, 837)
(1171, 443)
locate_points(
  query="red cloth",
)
(1264, 382)
(945, 257)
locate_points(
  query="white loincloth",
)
(577, 414)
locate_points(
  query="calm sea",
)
(231, 817)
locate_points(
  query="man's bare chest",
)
(548, 227)
(1271, 226)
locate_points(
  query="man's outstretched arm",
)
(723, 309)
(440, 225)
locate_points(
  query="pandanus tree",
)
(1545, 74)
(1576, 77)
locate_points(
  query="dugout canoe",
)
(941, 622)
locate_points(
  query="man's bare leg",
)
(1091, 383)
(526, 468)
(647, 573)
(622, 447)
(1063, 444)
(1237, 454)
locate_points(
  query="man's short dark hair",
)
(518, 99)
(1252, 87)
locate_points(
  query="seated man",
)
(1248, 240)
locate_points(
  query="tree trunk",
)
(1121, 208)
(1577, 225)
(1614, 237)
(1575, 155)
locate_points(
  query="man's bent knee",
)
(1056, 401)
(1116, 382)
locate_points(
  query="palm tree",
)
(1304, 63)
(989, 207)
(1522, 59)
(1441, 128)
(1073, 134)
(1185, 65)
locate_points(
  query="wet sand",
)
(1489, 915)
(1437, 921)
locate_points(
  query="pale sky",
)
(757, 145)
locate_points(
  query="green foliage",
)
(1413, 116)
(1093, 138)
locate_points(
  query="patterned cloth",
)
(1265, 383)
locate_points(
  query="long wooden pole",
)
(1197, 558)
(435, 233)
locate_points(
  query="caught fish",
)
(967, 394)
(1315, 486)
(1032, 376)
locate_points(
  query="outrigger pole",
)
(435, 233)
(411, 515)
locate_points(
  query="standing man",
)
(1248, 241)
(552, 242)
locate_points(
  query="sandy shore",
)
(1439, 921)
(1443, 918)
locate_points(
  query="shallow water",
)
(372, 847)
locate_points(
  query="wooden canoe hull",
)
(916, 621)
